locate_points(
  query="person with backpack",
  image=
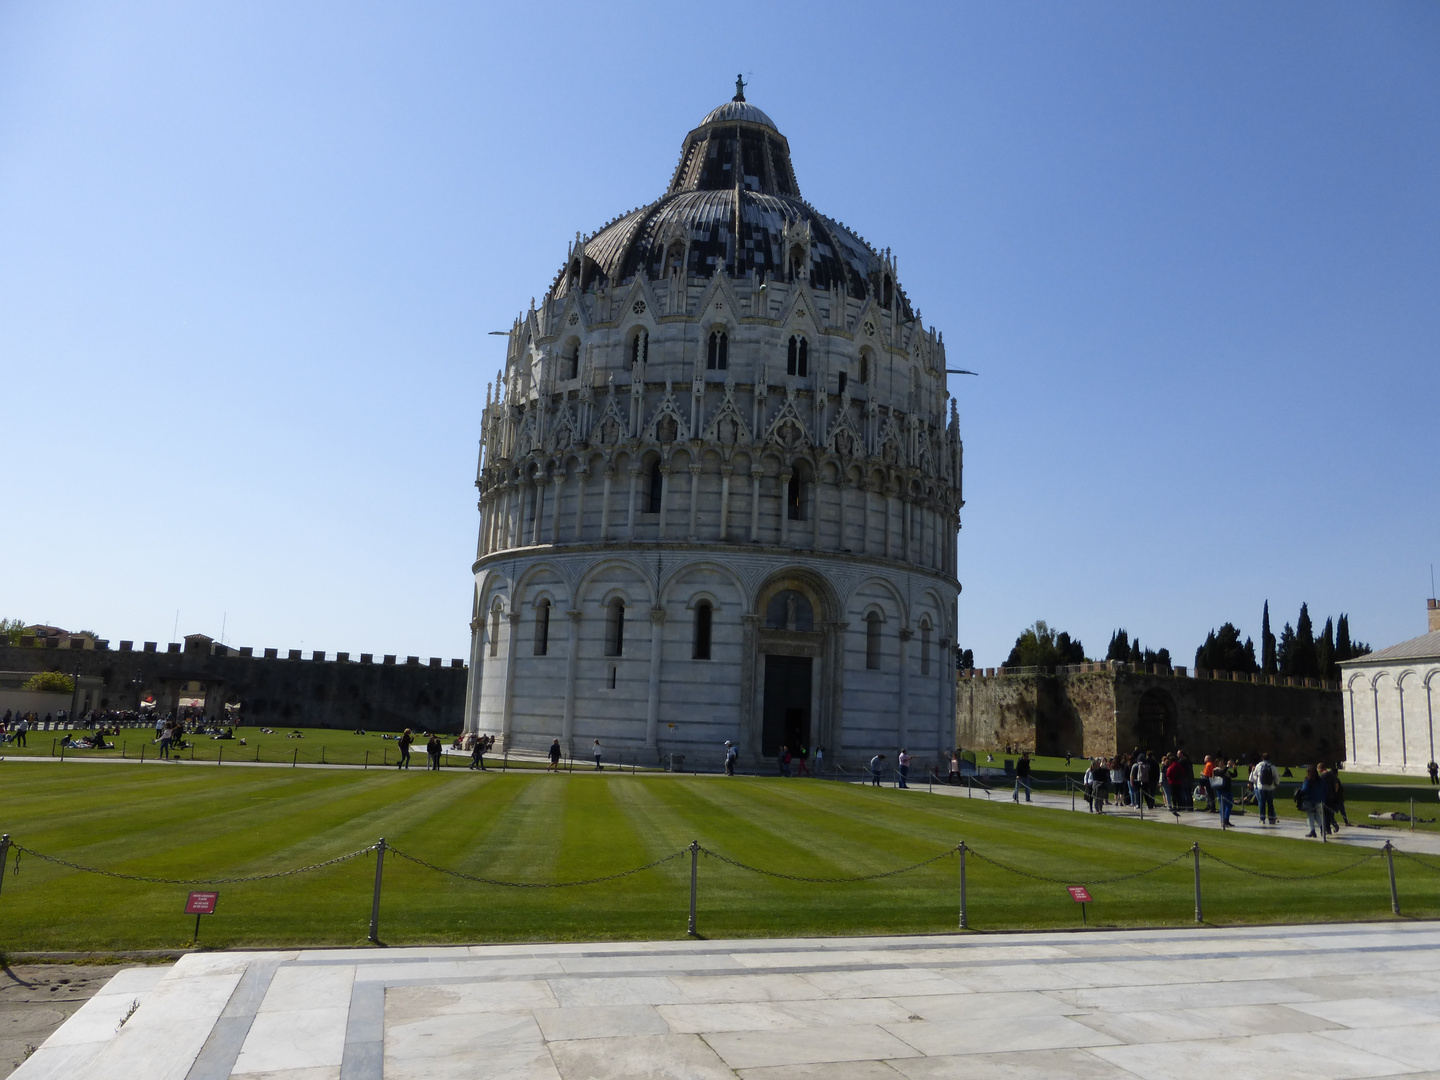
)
(1264, 779)
(731, 754)
(1223, 779)
(1139, 774)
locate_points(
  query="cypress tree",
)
(1119, 646)
(1267, 643)
(1325, 653)
(1343, 649)
(1305, 662)
(1285, 651)
(1136, 655)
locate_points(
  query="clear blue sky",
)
(250, 253)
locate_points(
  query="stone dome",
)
(734, 205)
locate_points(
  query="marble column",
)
(605, 503)
(694, 500)
(725, 471)
(754, 501)
(652, 707)
(572, 665)
(475, 683)
(749, 733)
(905, 636)
(508, 715)
(557, 485)
(664, 499)
(582, 474)
(785, 475)
(630, 512)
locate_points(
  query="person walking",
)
(877, 764)
(1139, 773)
(954, 775)
(24, 725)
(1208, 774)
(1022, 777)
(554, 765)
(783, 760)
(596, 751)
(730, 755)
(904, 762)
(820, 761)
(802, 770)
(1224, 774)
(432, 749)
(166, 738)
(1264, 780)
(405, 740)
(1434, 770)
(477, 752)
(1311, 799)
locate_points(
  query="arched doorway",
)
(793, 646)
(1155, 727)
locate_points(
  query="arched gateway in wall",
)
(719, 484)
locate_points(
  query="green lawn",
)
(314, 747)
(534, 827)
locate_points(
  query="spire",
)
(739, 89)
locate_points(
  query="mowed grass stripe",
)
(539, 828)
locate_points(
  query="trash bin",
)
(677, 762)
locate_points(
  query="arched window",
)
(656, 488)
(675, 257)
(889, 296)
(639, 346)
(864, 367)
(844, 382)
(872, 640)
(542, 628)
(615, 628)
(795, 498)
(570, 359)
(718, 358)
(495, 630)
(797, 261)
(704, 614)
(925, 646)
(797, 359)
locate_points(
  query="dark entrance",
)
(787, 704)
(1156, 729)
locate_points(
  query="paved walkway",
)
(1322, 1003)
(1292, 822)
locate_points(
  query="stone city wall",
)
(272, 690)
(1108, 709)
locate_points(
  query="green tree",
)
(964, 659)
(1325, 652)
(1267, 643)
(1285, 651)
(50, 682)
(1223, 651)
(1119, 646)
(1305, 663)
(10, 631)
(1040, 646)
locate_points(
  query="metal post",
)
(375, 903)
(1199, 911)
(221, 759)
(964, 907)
(4, 853)
(1390, 865)
(296, 759)
(694, 878)
(142, 751)
(1412, 814)
(1071, 784)
(322, 755)
(367, 759)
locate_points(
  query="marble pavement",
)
(1318, 1002)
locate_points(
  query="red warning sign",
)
(201, 903)
(1079, 894)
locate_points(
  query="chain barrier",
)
(1073, 881)
(185, 881)
(830, 880)
(534, 884)
(1417, 860)
(1294, 877)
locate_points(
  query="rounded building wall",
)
(674, 442)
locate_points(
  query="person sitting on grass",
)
(97, 741)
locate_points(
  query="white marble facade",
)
(719, 484)
(1392, 704)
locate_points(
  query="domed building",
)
(719, 484)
